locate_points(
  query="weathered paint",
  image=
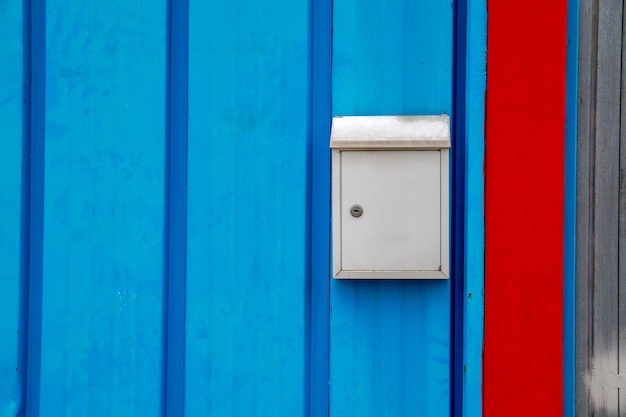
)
(524, 208)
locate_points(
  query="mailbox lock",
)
(356, 210)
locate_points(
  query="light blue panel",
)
(392, 57)
(246, 295)
(390, 348)
(474, 257)
(390, 340)
(11, 96)
(104, 208)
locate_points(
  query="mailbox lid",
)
(390, 132)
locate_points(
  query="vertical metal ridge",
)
(22, 361)
(619, 228)
(35, 84)
(175, 289)
(308, 330)
(308, 365)
(318, 232)
(457, 166)
(473, 303)
(621, 204)
(569, 332)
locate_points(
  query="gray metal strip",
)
(599, 295)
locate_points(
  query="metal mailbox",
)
(390, 197)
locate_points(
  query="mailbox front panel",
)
(390, 215)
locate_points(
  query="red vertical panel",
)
(523, 365)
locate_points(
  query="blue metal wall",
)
(165, 209)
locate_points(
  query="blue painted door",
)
(165, 209)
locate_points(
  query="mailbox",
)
(390, 197)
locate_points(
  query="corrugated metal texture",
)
(102, 244)
(390, 341)
(164, 209)
(11, 160)
(601, 211)
(247, 292)
(103, 208)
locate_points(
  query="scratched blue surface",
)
(390, 340)
(11, 95)
(246, 289)
(103, 208)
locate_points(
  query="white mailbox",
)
(390, 196)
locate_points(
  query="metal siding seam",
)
(457, 216)
(474, 245)
(25, 211)
(569, 279)
(174, 378)
(36, 68)
(318, 235)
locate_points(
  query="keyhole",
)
(356, 210)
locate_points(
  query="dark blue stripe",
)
(178, 45)
(36, 27)
(22, 361)
(458, 206)
(318, 232)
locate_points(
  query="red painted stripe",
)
(523, 363)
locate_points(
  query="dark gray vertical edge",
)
(621, 265)
(584, 227)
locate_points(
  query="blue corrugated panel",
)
(246, 288)
(390, 340)
(11, 160)
(103, 208)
